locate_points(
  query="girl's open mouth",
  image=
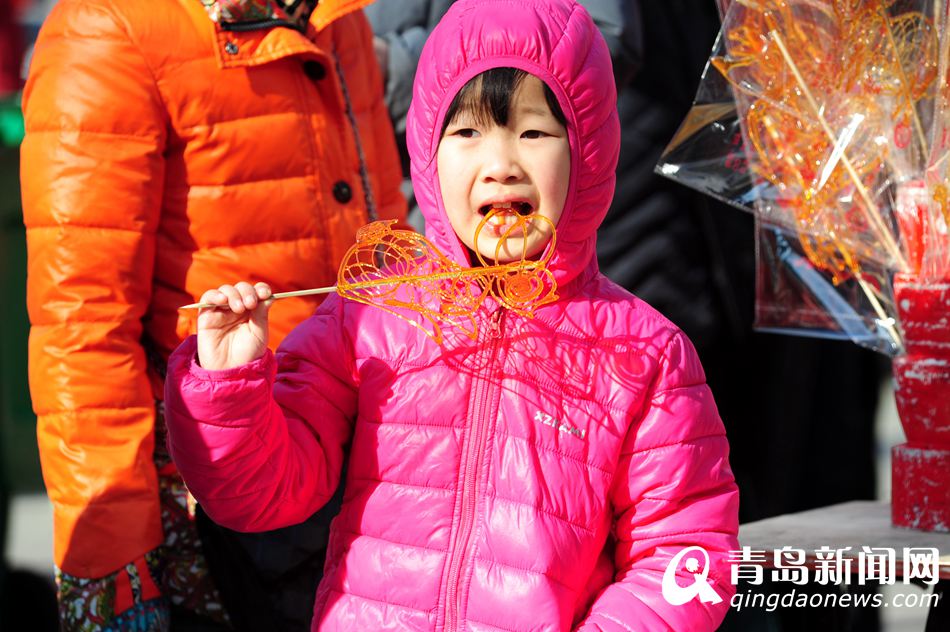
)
(503, 218)
(502, 215)
(507, 208)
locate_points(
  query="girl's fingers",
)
(235, 300)
(248, 294)
(214, 297)
(238, 298)
(263, 291)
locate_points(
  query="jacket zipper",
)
(471, 474)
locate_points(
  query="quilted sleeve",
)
(674, 490)
(92, 172)
(261, 445)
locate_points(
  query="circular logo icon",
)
(678, 595)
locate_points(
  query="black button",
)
(342, 192)
(314, 70)
(231, 48)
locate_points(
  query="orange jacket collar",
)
(235, 49)
(329, 10)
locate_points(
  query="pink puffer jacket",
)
(542, 477)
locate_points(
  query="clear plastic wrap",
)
(795, 296)
(824, 118)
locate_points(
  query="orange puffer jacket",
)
(165, 156)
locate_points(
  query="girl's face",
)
(523, 167)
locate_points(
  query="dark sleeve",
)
(405, 25)
(621, 24)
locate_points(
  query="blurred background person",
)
(172, 146)
(401, 27)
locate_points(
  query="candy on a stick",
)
(830, 91)
(401, 272)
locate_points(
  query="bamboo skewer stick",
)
(884, 320)
(273, 297)
(402, 278)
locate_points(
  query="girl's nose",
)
(501, 164)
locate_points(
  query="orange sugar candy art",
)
(401, 272)
(827, 85)
(835, 99)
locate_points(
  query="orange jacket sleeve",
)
(92, 172)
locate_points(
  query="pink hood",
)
(556, 42)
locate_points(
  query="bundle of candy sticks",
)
(843, 106)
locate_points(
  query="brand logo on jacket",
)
(561, 426)
(677, 595)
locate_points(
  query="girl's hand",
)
(234, 333)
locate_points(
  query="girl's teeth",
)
(504, 213)
(503, 218)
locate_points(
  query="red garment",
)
(11, 47)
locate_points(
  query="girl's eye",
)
(466, 132)
(532, 134)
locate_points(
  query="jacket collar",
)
(236, 14)
(254, 32)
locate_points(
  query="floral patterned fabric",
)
(245, 11)
(125, 600)
(140, 596)
(186, 580)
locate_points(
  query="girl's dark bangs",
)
(487, 98)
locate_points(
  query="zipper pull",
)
(494, 323)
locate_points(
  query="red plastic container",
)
(920, 470)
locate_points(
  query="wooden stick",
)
(885, 321)
(402, 278)
(273, 297)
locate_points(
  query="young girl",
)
(544, 476)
